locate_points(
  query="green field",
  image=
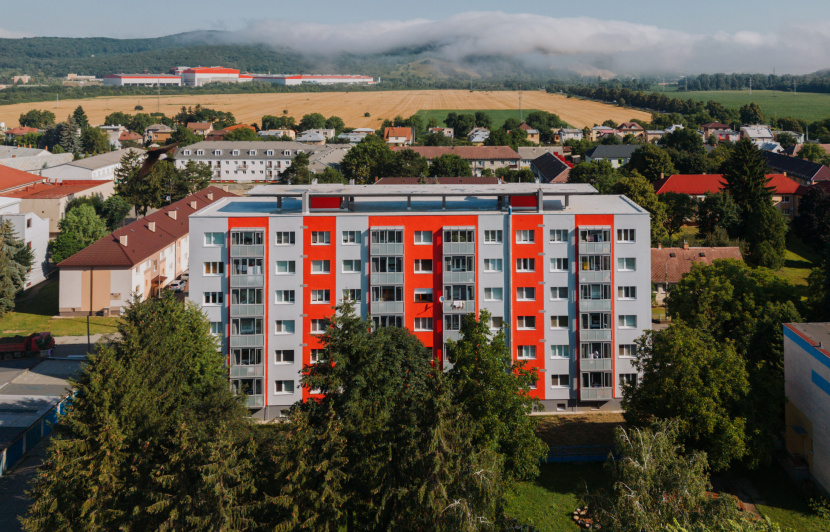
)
(497, 116)
(809, 106)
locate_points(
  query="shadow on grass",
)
(799, 264)
(41, 299)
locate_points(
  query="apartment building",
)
(478, 157)
(566, 270)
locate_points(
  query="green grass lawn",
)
(783, 502)
(547, 502)
(800, 260)
(808, 106)
(36, 309)
(497, 116)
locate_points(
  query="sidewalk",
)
(66, 346)
(13, 499)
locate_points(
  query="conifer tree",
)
(19, 253)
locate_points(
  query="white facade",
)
(34, 231)
(141, 80)
(288, 79)
(97, 168)
(196, 77)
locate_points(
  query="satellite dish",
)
(440, 299)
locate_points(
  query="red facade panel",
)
(316, 202)
(524, 201)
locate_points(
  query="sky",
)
(700, 35)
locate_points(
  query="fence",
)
(578, 453)
(26, 441)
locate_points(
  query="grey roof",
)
(612, 151)
(34, 164)
(504, 189)
(532, 152)
(244, 147)
(311, 136)
(549, 167)
(8, 152)
(103, 160)
(159, 127)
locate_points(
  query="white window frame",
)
(280, 388)
(423, 324)
(320, 267)
(623, 264)
(352, 262)
(493, 265)
(351, 238)
(556, 292)
(526, 265)
(318, 326)
(526, 352)
(559, 378)
(211, 268)
(284, 327)
(557, 318)
(560, 351)
(290, 265)
(626, 236)
(627, 321)
(557, 263)
(493, 236)
(282, 235)
(320, 238)
(558, 236)
(423, 238)
(419, 263)
(210, 239)
(627, 293)
(423, 292)
(348, 294)
(525, 293)
(279, 356)
(320, 296)
(284, 297)
(525, 236)
(525, 323)
(496, 323)
(495, 293)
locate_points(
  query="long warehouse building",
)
(565, 270)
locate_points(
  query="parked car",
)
(177, 285)
(186, 276)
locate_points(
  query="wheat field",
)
(350, 106)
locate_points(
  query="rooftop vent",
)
(672, 255)
(702, 253)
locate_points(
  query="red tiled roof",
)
(668, 268)
(700, 184)
(629, 125)
(141, 242)
(53, 190)
(199, 126)
(21, 130)
(12, 178)
(465, 152)
(129, 135)
(491, 180)
(239, 126)
(405, 132)
(714, 125)
(210, 70)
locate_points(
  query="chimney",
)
(351, 181)
(123, 240)
(662, 175)
(685, 244)
(151, 226)
(659, 245)
(193, 205)
(376, 179)
(210, 196)
(172, 213)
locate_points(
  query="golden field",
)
(350, 106)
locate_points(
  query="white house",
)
(97, 168)
(34, 231)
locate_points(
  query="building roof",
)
(105, 159)
(795, 149)
(129, 135)
(141, 76)
(161, 128)
(52, 190)
(612, 151)
(9, 152)
(816, 333)
(12, 178)
(630, 125)
(793, 166)
(199, 126)
(390, 132)
(714, 125)
(21, 130)
(38, 163)
(244, 147)
(141, 242)
(700, 184)
(466, 152)
(239, 126)
(757, 131)
(490, 180)
(210, 70)
(532, 152)
(311, 136)
(671, 264)
(551, 168)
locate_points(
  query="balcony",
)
(468, 277)
(594, 276)
(379, 278)
(459, 248)
(247, 310)
(596, 394)
(386, 249)
(248, 340)
(247, 251)
(247, 281)
(595, 248)
(595, 364)
(595, 335)
(595, 305)
(386, 307)
(459, 306)
(247, 371)
(255, 401)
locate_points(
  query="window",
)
(560, 381)
(559, 292)
(596, 263)
(626, 235)
(284, 297)
(246, 296)
(320, 296)
(423, 295)
(246, 266)
(525, 293)
(463, 292)
(459, 235)
(595, 291)
(493, 236)
(234, 152)
(387, 293)
(351, 294)
(284, 327)
(214, 298)
(284, 238)
(627, 292)
(246, 238)
(284, 356)
(785, 199)
(496, 322)
(596, 320)
(558, 235)
(216, 328)
(387, 321)
(493, 265)
(560, 351)
(525, 265)
(285, 267)
(525, 236)
(628, 350)
(452, 322)
(351, 237)
(626, 264)
(595, 235)
(462, 263)
(320, 237)
(525, 322)
(214, 239)
(628, 379)
(423, 265)
(423, 237)
(214, 268)
(558, 322)
(559, 265)
(493, 294)
(284, 387)
(387, 236)
(246, 326)
(351, 266)
(320, 266)
(319, 326)
(526, 352)
(627, 321)
(246, 357)
(423, 324)
(315, 355)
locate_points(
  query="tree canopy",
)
(80, 227)
(163, 184)
(449, 165)
(652, 162)
(15, 263)
(368, 159)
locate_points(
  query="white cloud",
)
(12, 34)
(561, 42)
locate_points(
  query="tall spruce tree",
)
(20, 254)
(69, 137)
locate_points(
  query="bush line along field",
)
(497, 116)
(350, 106)
(807, 106)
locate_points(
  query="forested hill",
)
(816, 82)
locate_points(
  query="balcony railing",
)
(459, 306)
(385, 249)
(459, 248)
(386, 307)
(596, 394)
(248, 340)
(244, 281)
(589, 305)
(255, 401)
(379, 278)
(595, 248)
(594, 276)
(247, 310)
(247, 251)
(468, 277)
(247, 371)
(595, 364)
(595, 335)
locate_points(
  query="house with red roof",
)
(669, 265)
(631, 128)
(398, 136)
(49, 198)
(786, 192)
(200, 128)
(137, 260)
(19, 131)
(712, 128)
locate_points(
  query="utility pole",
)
(750, 86)
(158, 100)
(521, 116)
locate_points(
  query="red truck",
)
(23, 346)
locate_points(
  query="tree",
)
(140, 122)
(330, 175)
(638, 189)
(118, 119)
(69, 138)
(278, 122)
(79, 228)
(655, 483)
(80, 118)
(94, 140)
(336, 123)
(16, 260)
(812, 152)
(241, 133)
(598, 173)
(183, 136)
(37, 119)
(689, 376)
(787, 140)
(435, 139)
(154, 440)
(449, 165)
(312, 121)
(483, 120)
(651, 162)
(684, 140)
(407, 163)
(368, 159)
(813, 221)
(297, 173)
(510, 124)
(195, 176)
(114, 210)
(491, 390)
(141, 193)
(718, 211)
(751, 114)
(680, 208)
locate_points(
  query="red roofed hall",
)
(138, 259)
(786, 191)
(198, 76)
(669, 265)
(49, 199)
(12, 178)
